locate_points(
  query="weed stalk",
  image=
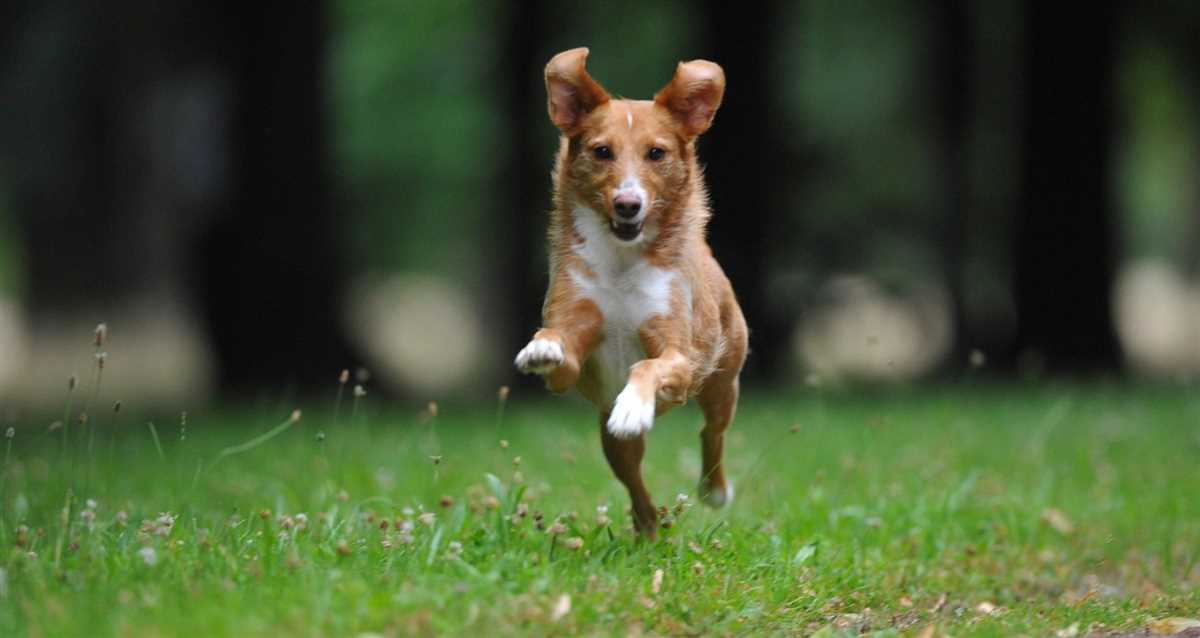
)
(64, 527)
(8, 436)
(157, 443)
(66, 421)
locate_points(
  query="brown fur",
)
(696, 349)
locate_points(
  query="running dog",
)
(638, 316)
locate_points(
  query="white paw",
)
(716, 498)
(540, 356)
(631, 415)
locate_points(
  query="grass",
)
(943, 511)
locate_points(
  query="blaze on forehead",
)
(624, 121)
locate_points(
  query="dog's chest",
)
(628, 291)
(626, 300)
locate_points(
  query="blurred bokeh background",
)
(256, 195)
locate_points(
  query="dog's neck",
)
(602, 251)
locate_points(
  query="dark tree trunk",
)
(952, 61)
(1064, 238)
(740, 155)
(272, 276)
(104, 110)
(524, 181)
(62, 145)
(129, 137)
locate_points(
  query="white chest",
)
(627, 290)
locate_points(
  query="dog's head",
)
(629, 160)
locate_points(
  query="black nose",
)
(627, 207)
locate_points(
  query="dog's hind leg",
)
(718, 400)
(625, 457)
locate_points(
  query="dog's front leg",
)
(558, 350)
(655, 384)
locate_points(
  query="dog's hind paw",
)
(540, 356)
(631, 415)
(716, 497)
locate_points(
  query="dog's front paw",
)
(631, 415)
(540, 356)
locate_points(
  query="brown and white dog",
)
(638, 315)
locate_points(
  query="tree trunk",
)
(953, 66)
(272, 270)
(740, 157)
(1064, 241)
(524, 181)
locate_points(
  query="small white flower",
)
(164, 524)
(92, 504)
(149, 556)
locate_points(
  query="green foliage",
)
(1157, 172)
(854, 84)
(990, 512)
(419, 96)
(413, 90)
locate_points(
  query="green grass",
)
(880, 512)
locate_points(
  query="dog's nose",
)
(627, 205)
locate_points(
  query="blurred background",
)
(257, 195)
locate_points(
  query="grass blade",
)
(260, 439)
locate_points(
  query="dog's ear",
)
(570, 92)
(693, 95)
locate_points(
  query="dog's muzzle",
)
(625, 231)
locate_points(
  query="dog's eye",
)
(602, 152)
(655, 154)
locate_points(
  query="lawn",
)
(958, 511)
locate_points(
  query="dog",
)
(638, 315)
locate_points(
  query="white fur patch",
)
(631, 185)
(539, 357)
(631, 415)
(717, 499)
(629, 118)
(626, 288)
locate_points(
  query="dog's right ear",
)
(570, 92)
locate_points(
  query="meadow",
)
(959, 510)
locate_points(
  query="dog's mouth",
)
(625, 231)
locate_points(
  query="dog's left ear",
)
(693, 95)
